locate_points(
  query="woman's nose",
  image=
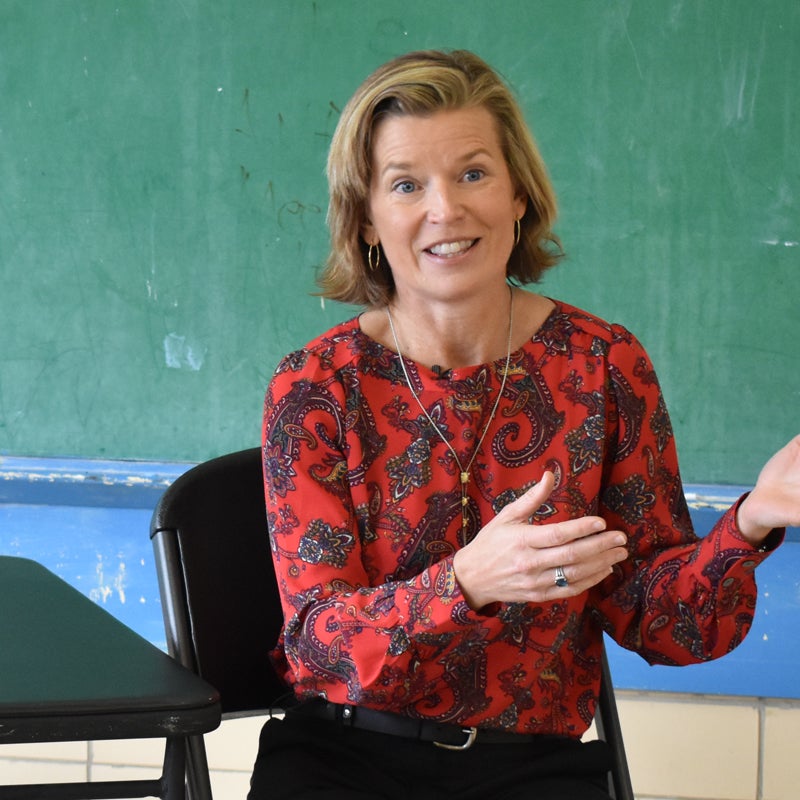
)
(443, 202)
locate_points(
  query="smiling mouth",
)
(450, 249)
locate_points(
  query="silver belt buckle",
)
(470, 733)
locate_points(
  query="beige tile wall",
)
(680, 747)
(686, 747)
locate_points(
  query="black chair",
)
(221, 606)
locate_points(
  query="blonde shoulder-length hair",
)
(420, 84)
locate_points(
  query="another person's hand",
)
(512, 560)
(775, 500)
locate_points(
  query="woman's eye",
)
(473, 175)
(404, 187)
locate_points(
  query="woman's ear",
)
(521, 204)
(368, 233)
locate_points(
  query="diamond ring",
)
(561, 578)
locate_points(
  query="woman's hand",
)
(775, 500)
(511, 560)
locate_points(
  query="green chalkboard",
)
(162, 202)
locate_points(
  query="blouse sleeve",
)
(677, 599)
(343, 637)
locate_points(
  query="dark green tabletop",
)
(69, 671)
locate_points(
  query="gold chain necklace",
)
(464, 471)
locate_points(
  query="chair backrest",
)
(221, 605)
(606, 720)
(220, 599)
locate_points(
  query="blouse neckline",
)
(461, 373)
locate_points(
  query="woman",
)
(469, 483)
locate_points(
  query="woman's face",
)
(442, 203)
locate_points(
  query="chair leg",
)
(173, 777)
(197, 775)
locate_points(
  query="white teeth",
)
(451, 248)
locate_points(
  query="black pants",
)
(303, 758)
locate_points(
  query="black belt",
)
(451, 737)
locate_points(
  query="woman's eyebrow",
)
(395, 166)
(481, 151)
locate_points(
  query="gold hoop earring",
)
(377, 260)
(517, 232)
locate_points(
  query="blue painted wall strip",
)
(82, 482)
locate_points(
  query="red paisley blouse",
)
(364, 508)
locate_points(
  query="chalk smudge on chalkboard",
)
(180, 353)
(297, 209)
(779, 242)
